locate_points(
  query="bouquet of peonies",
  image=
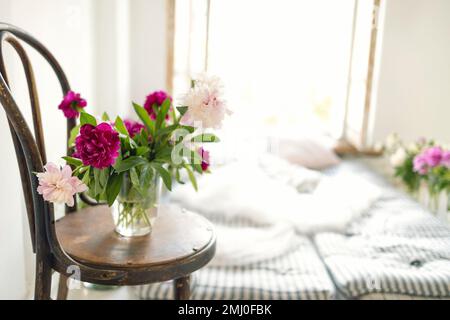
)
(421, 161)
(401, 157)
(121, 162)
(433, 165)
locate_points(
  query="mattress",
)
(397, 250)
(300, 274)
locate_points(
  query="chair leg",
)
(43, 284)
(182, 288)
(63, 290)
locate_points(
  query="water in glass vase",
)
(136, 209)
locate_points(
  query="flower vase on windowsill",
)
(439, 205)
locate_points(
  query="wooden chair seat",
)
(181, 242)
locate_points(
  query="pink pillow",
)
(307, 152)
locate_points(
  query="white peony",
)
(413, 147)
(392, 141)
(398, 158)
(205, 103)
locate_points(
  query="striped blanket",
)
(399, 250)
(299, 274)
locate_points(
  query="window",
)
(286, 64)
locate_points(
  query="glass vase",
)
(424, 194)
(439, 204)
(135, 210)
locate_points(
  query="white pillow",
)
(306, 152)
(301, 178)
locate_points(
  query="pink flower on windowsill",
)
(155, 99)
(433, 156)
(446, 159)
(71, 105)
(58, 186)
(97, 146)
(420, 164)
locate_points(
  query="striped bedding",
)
(397, 251)
(297, 275)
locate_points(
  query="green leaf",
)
(105, 116)
(205, 137)
(178, 177)
(142, 137)
(87, 176)
(195, 160)
(164, 153)
(97, 186)
(165, 175)
(166, 130)
(73, 135)
(104, 175)
(73, 161)
(188, 128)
(86, 118)
(113, 187)
(146, 176)
(191, 176)
(143, 115)
(135, 179)
(124, 165)
(140, 151)
(162, 112)
(182, 110)
(120, 126)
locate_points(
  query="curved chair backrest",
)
(30, 152)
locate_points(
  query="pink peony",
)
(420, 164)
(156, 98)
(133, 127)
(433, 156)
(97, 146)
(446, 159)
(58, 186)
(71, 104)
(205, 158)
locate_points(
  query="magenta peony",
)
(71, 104)
(133, 127)
(58, 186)
(97, 146)
(205, 158)
(156, 98)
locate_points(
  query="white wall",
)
(413, 95)
(148, 51)
(104, 61)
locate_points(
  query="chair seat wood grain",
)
(180, 239)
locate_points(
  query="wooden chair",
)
(84, 240)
